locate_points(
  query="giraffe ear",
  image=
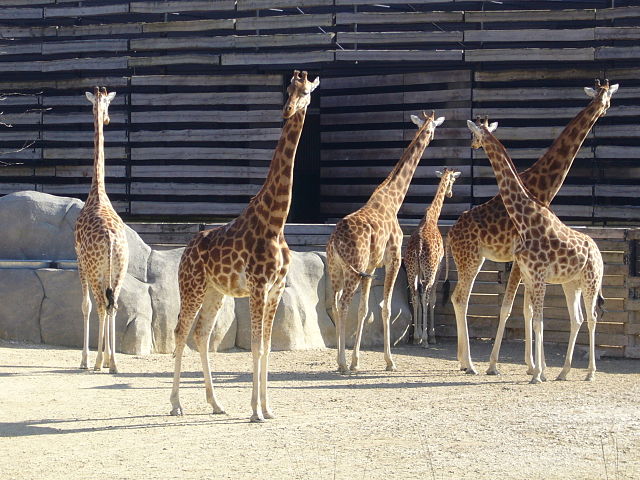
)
(438, 121)
(493, 126)
(613, 88)
(417, 120)
(111, 96)
(315, 84)
(590, 92)
(439, 173)
(90, 97)
(456, 174)
(473, 127)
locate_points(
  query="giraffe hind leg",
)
(86, 312)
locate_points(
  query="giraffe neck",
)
(545, 177)
(519, 203)
(273, 200)
(98, 192)
(433, 212)
(393, 189)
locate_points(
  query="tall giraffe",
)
(369, 238)
(486, 232)
(101, 246)
(422, 261)
(546, 251)
(247, 257)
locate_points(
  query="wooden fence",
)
(617, 334)
(201, 83)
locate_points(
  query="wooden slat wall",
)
(523, 63)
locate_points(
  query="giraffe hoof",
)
(343, 370)
(97, 368)
(493, 371)
(354, 368)
(561, 378)
(256, 418)
(417, 341)
(535, 381)
(590, 377)
(470, 371)
(268, 414)
(113, 369)
(177, 412)
(432, 340)
(392, 368)
(83, 366)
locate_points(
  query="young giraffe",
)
(247, 257)
(486, 232)
(101, 246)
(546, 251)
(369, 238)
(422, 261)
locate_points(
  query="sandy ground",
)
(427, 420)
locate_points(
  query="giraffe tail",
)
(446, 286)
(353, 269)
(111, 301)
(600, 305)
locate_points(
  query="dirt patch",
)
(427, 420)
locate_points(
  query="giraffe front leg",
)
(391, 274)
(505, 312)
(102, 320)
(270, 312)
(362, 314)
(427, 320)
(257, 306)
(572, 294)
(537, 292)
(341, 327)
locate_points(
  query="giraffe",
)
(546, 251)
(247, 257)
(369, 238)
(485, 231)
(422, 261)
(101, 246)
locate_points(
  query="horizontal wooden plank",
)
(244, 5)
(372, 18)
(282, 22)
(79, 46)
(59, 12)
(181, 6)
(514, 74)
(368, 81)
(207, 135)
(207, 116)
(388, 38)
(531, 35)
(358, 190)
(78, 153)
(186, 59)
(528, 15)
(617, 33)
(205, 80)
(399, 55)
(189, 25)
(196, 153)
(186, 208)
(616, 13)
(294, 58)
(531, 54)
(211, 99)
(197, 171)
(192, 188)
(231, 41)
(21, 13)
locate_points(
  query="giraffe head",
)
(100, 100)
(602, 94)
(480, 130)
(299, 93)
(427, 124)
(448, 177)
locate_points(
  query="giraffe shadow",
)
(143, 422)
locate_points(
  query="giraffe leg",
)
(107, 341)
(257, 305)
(86, 312)
(431, 338)
(120, 264)
(414, 285)
(537, 302)
(101, 307)
(505, 311)
(202, 334)
(270, 312)
(190, 302)
(391, 273)
(590, 302)
(467, 272)
(362, 314)
(350, 287)
(572, 294)
(425, 293)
